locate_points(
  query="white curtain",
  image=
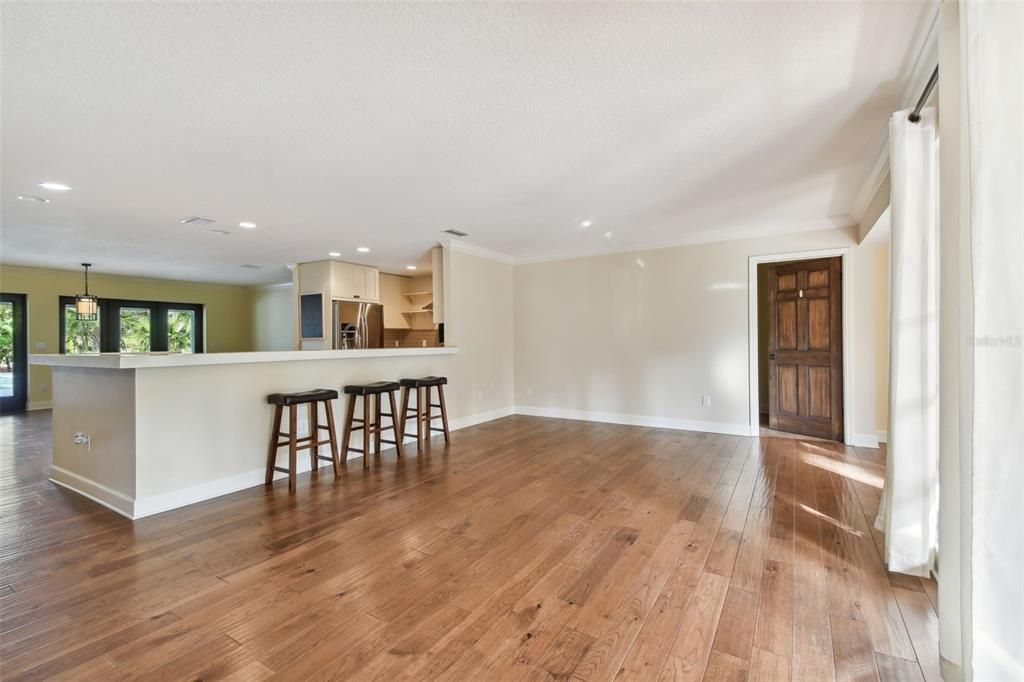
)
(994, 75)
(910, 506)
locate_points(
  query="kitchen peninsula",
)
(145, 433)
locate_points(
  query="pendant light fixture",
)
(85, 304)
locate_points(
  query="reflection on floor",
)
(531, 548)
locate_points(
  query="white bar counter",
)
(169, 430)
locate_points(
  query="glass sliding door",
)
(13, 354)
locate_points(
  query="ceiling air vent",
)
(196, 220)
(457, 233)
(251, 266)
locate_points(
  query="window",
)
(79, 336)
(181, 331)
(134, 330)
(132, 327)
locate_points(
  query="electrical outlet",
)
(44, 387)
(705, 401)
(529, 390)
(303, 426)
(479, 395)
(40, 345)
(82, 438)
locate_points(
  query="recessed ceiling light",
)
(33, 197)
(410, 267)
(334, 254)
(607, 235)
(363, 249)
(586, 223)
(55, 186)
(247, 225)
(219, 232)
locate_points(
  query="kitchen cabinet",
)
(354, 282)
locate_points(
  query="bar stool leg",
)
(376, 423)
(366, 430)
(275, 431)
(293, 427)
(395, 423)
(444, 414)
(329, 409)
(419, 419)
(314, 432)
(405, 411)
(428, 417)
(346, 431)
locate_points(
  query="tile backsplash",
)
(410, 338)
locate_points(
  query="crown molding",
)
(706, 237)
(474, 250)
(913, 85)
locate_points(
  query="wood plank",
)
(736, 626)
(851, 642)
(692, 646)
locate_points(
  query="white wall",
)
(273, 318)
(646, 334)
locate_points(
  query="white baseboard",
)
(636, 420)
(39, 405)
(863, 440)
(475, 419)
(101, 494)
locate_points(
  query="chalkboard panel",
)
(311, 310)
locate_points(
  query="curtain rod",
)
(915, 115)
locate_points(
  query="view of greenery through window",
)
(134, 330)
(80, 336)
(180, 334)
(137, 330)
(6, 348)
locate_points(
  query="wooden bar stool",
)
(424, 408)
(371, 395)
(312, 442)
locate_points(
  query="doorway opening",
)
(798, 378)
(13, 354)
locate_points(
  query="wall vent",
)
(457, 233)
(196, 220)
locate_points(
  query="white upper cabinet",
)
(354, 282)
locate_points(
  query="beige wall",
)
(227, 310)
(649, 333)
(273, 318)
(479, 311)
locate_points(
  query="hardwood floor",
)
(530, 549)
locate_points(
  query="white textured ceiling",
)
(341, 125)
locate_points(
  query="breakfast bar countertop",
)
(154, 360)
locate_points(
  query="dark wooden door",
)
(805, 349)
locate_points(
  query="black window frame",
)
(110, 322)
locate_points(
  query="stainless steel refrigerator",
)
(358, 325)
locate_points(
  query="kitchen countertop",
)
(154, 360)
